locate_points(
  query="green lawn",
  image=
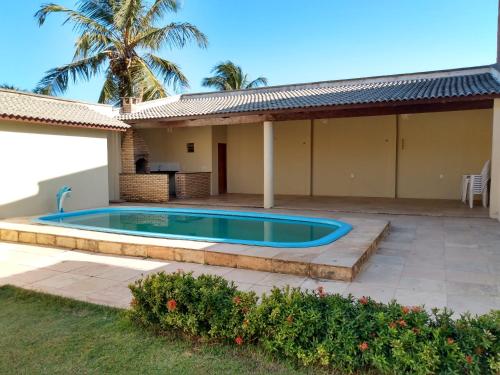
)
(42, 334)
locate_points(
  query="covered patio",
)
(394, 144)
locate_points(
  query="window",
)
(190, 147)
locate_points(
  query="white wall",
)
(36, 160)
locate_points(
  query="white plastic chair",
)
(476, 184)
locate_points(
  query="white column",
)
(495, 163)
(114, 164)
(268, 165)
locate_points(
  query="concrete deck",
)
(399, 206)
(339, 260)
(436, 261)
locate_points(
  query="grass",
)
(40, 333)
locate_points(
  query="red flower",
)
(416, 309)
(405, 309)
(171, 305)
(363, 346)
(321, 291)
(468, 358)
(363, 300)
(238, 340)
(402, 323)
(450, 341)
(416, 330)
(289, 319)
(392, 325)
(237, 300)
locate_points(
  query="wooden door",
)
(222, 167)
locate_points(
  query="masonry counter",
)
(192, 184)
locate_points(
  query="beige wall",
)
(354, 156)
(37, 160)
(350, 156)
(292, 162)
(436, 149)
(169, 145)
(245, 159)
(292, 157)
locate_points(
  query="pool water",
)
(206, 225)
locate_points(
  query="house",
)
(401, 136)
(48, 142)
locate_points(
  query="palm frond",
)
(80, 21)
(172, 35)
(218, 83)
(56, 80)
(147, 84)
(127, 14)
(158, 10)
(110, 92)
(90, 44)
(258, 82)
(167, 70)
(229, 76)
(100, 10)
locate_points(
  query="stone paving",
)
(436, 261)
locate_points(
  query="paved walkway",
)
(436, 261)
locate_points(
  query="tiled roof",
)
(419, 86)
(17, 105)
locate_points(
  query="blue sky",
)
(288, 41)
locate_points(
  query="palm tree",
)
(10, 87)
(229, 76)
(14, 88)
(119, 38)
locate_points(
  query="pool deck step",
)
(339, 260)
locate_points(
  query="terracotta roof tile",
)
(26, 106)
(418, 86)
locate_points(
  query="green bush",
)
(314, 328)
(207, 306)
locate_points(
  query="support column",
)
(268, 165)
(114, 164)
(495, 163)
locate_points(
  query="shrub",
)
(207, 306)
(314, 328)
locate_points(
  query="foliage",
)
(207, 306)
(12, 87)
(313, 328)
(229, 76)
(119, 38)
(46, 334)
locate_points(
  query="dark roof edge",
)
(79, 124)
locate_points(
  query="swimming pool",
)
(248, 228)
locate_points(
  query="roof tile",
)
(27, 106)
(419, 86)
